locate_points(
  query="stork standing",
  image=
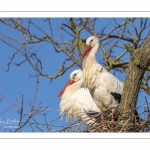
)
(104, 87)
(77, 101)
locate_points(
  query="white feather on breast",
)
(77, 104)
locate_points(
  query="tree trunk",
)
(138, 64)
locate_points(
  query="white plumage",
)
(77, 101)
(104, 87)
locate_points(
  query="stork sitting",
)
(105, 88)
(77, 101)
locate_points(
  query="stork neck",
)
(90, 58)
(94, 51)
(72, 88)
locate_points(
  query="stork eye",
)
(75, 75)
(91, 41)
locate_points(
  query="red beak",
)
(67, 84)
(86, 50)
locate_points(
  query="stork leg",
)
(112, 116)
(102, 118)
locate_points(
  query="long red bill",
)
(67, 84)
(86, 50)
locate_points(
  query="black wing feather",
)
(117, 96)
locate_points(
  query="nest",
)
(129, 121)
(118, 126)
(131, 124)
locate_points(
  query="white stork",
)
(105, 88)
(77, 101)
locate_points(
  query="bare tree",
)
(114, 37)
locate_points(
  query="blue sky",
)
(16, 82)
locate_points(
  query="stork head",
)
(90, 43)
(75, 76)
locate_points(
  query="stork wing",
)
(114, 85)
